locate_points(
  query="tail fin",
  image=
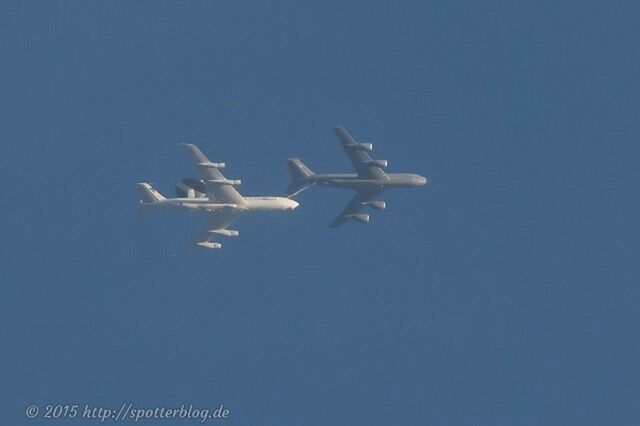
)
(298, 169)
(147, 194)
(299, 175)
(148, 197)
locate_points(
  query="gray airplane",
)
(370, 180)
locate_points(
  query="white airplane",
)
(221, 202)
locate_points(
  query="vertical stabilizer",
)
(148, 194)
(148, 198)
(298, 169)
(300, 175)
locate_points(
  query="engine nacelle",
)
(208, 245)
(365, 146)
(225, 232)
(378, 205)
(232, 182)
(381, 163)
(191, 188)
(364, 218)
(212, 165)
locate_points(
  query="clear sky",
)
(506, 292)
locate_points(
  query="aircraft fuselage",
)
(204, 204)
(352, 181)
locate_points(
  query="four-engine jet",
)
(222, 203)
(370, 180)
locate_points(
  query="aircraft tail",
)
(149, 196)
(299, 175)
(298, 169)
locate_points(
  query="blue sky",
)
(503, 293)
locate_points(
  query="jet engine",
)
(190, 188)
(209, 164)
(381, 163)
(232, 182)
(208, 245)
(225, 232)
(364, 218)
(365, 146)
(378, 205)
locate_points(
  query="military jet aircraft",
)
(369, 181)
(219, 200)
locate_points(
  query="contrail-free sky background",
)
(506, 292)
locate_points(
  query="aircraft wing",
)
(355, 205)
(361, 161)
(219, 188)
(217, 221)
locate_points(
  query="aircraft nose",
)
(293, 204)
(425, 181)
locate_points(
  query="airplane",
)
(219, 200)
(369, 181)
